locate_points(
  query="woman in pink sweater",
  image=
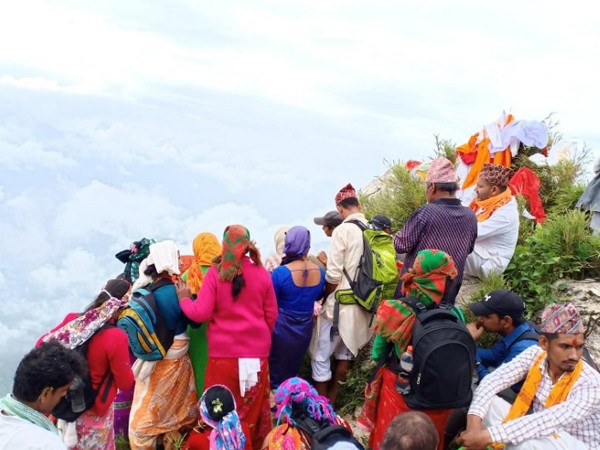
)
(238, 302)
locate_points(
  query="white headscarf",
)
(165, 257)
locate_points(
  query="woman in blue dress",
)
(298, 284)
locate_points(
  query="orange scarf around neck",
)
(557, 395)
(485, 208)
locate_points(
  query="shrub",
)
(121, 442)
(400, 194)
(352, 391)
(563, 247)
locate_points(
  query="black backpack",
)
(324, 436)
(64, 409)
(443, 359)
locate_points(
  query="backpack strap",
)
(309, 425)
(335, 326)
(527, 336)
(587, 357)
(417, 305)
(158, 284)
(335, 330)
(109, 378)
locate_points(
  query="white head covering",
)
(344, 446)
(165, 257)
(280, 238)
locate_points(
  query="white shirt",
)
(579, 414)
(497, 237)
(19, 434)
(346, 250)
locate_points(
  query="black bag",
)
(81, 392)
(324, 436)
(443, 359)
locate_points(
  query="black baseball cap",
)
(332, 219)
(502, 302)
(381, 222)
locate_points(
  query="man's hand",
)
(476, 329)
(183, 291)
(317, 309)
(322, 257)
(474, 439)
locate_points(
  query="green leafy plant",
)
(563, 247)
(352, 391)
(400, 194)
(121, 442)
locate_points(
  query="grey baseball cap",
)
(331, 219)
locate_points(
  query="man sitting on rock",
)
(497, 222)
(560, 389)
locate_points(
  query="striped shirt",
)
(578, 415)
(443, 225)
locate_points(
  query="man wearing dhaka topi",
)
(560, 389)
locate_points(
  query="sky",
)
(128, 119)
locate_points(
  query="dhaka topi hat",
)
(441, 170)
(496, 175)
(562, 318)
(346, 192)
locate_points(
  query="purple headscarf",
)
(297, 244)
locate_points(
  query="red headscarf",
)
(236, 243)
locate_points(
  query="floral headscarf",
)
(296, 391)
(217, 409)
(236, 243)
(82, 328)
(139, 251)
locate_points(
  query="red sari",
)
(253, 407)
(391, 403)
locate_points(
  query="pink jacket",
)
(241, 327)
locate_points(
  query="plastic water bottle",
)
(406, 366)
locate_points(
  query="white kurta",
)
(496, 241)
(346, 250)
(17, 433)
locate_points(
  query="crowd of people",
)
(227, 374)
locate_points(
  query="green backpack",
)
(376, 277)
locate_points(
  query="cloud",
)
(21, 151)
(77, 271)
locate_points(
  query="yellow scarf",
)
(490, 205)
(524, 399)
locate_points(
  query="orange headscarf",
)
(206, 247)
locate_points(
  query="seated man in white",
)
(558, 406)
(497, 222)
